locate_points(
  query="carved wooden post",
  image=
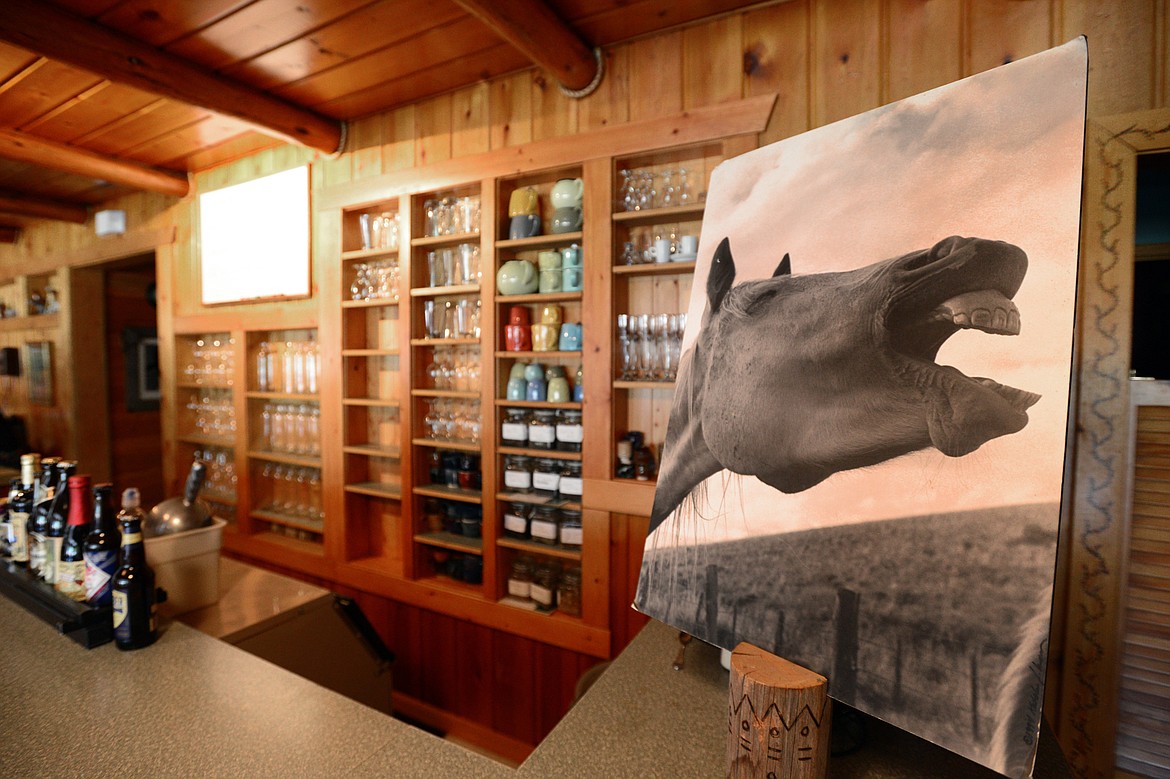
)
(778, 718)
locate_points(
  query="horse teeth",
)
(986, 310)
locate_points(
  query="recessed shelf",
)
(654, 269)
(563, 552)
(375, 489)
(370, 402)
(434, 393)
(552, 454)
(539, 297)
(444, 240)
(655, 215)
(373, 450)
(650, 385)
(302, 396)
(533, 499)
(300, 523)
(458, 446)
(368, 254)
(537, 355)
(286, 459)
(453, 289)
(369, 352)
(451, 541)
(369, 303)
(448, 493)
(536, 241)
(535, 404)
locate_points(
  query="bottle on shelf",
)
(5, 527)
(38, 521)
(58, 521)
(20, 506)
(133, 585)
(101, 548)
(70, 580)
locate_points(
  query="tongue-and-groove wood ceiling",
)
(137, 93)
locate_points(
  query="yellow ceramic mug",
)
(523, 202)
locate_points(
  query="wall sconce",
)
(109, 222)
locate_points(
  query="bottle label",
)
(572, 485)
(52, 547)
(18, 536)
(572, 536)
(36, 551)
(542, 529)
(514, 523)
(131, 538)
(546, 481)
(571, 434)
(519, 589)
(542, 595)
(99, 570)
(71, 579)
(518, 480)
(515, 431)
(121, 609)
(542, 434)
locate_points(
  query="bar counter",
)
(192, 705)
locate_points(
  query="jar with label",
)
(571, 486)
(520, 579)
(569, 591)
(570, 430)
(545, 525)
(571, 530)
(518, 473)
(542, 429)
(515, 427)
(516, 520)
(544, 584)
(546, 478)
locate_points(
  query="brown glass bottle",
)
(58, 521)
(133, 590)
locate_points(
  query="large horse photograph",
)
(864, 459)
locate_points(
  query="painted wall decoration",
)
(864, 459)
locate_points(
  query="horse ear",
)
(722, 275)
(784, 268)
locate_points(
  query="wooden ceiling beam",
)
(9, 233)
(12, 203)
(55, 33)
(533, 28)
(49, 154)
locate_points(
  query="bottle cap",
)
(130, 498)
(29, 459)
(81, 481)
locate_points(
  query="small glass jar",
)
(518, 473)
(544, 584)
(516, 520)
(514, 431)
(571, 533)
(546, 477)
(571, 486)
(545, 525)
(433, 515)
(520, 579)
(570, 430)
(469, 473)
(569, 591)
(542, 429)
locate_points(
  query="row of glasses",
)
(451, 216)
(212, 413)
(219, 471)
(291, 428)
(292, 490)
(451, 419)
(453, 318)
(212, 361)
(380, 231)
(378, 280)
(649, 346)
(292, 367)
(452, 265)
(641, 248)
(455, 368)
(645, 188)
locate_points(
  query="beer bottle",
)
(133, 590)
(71, 565)
(20, 505)
(58, 521)
(101, 548)
(38, 521)
(5, 526)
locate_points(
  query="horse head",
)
(794, 378)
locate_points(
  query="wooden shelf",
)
(619, 496)
(655, 268)
(445, 240)
(455, 446)
(563, 552)
(367, 254)
(453, 289)
(375, 489)
(304, 396)
(537, 355)
(369, 303)
(370, 402)
(444, 341)
(206, 440)
(287, 459)
(32, 322)
(533, 499)
(539, 297)
(373, 450)
(300, 523)
(448, 493)
(449, 584)
(215, 496)
(536, 404)
(648, 216)
(433, 393)
(552, 454)
(193, 385)
(457, 543)
(311, 548)
(537, 241)
(369, 352)
(650, 385)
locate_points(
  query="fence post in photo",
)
(711, 595)
(846, 645)
(975, 694)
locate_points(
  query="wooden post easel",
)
(779, 718)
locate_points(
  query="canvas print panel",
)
(863, 464)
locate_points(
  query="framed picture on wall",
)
(140, 353)
(40, 373)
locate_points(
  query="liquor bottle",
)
(19, 507)
(38, 521)
(71, 564)
(5, 526)
(58, 521)
(101, 548)
(133, 590)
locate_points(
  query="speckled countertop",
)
(195, 706)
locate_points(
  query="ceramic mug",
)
(523, 201)
(550, 280)
(517, 277)
(544, 337)
(662, 250)
(570, 337)
(518, 315)
(688, 245)
(558, 390)
(550, 314)
(571, 256)
(553, 372)
(518, 338)
(533, 371)
(566, 220)
(524, 226)
(517, 388)
(549, 260)
(537, 390)
(567, 193)
(572, 279)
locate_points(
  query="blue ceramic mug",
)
(524, 226)
(517, 389)
(572, 279)
(570, 337)
(537, 390)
